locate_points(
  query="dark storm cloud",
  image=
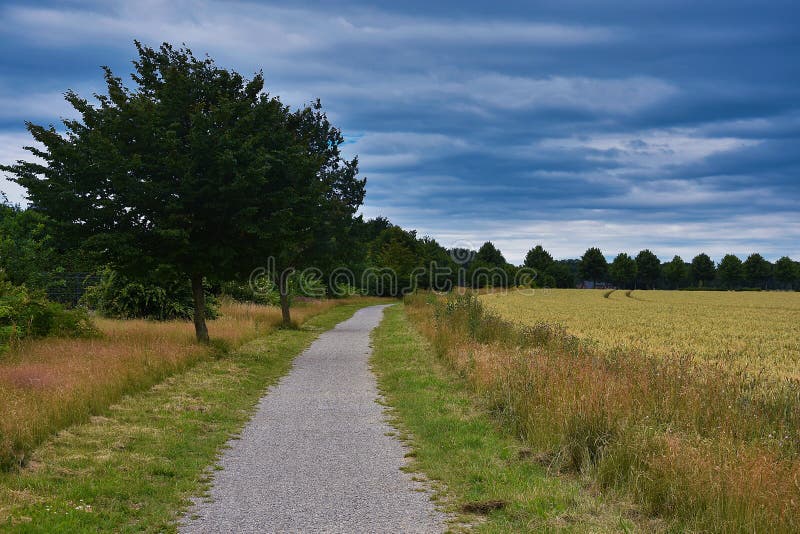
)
(672, 125)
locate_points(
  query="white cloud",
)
(11, 150)
(379, 150)
(48, 105)
(623, 95)
(482, 93)
(649, 149)
(250, 26)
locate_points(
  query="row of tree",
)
(645, 271)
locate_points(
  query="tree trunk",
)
(283, 289)
(200, 328)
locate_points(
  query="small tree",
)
(593, 265)
(313, 197)
(702, 269)
(730, 271)
(675, 272)
(757, 270)
(623, 270)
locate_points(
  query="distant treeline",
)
(31, 255)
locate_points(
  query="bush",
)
(243, 292)
(119, 297)
(266, 292)
(27, 314)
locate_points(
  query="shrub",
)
(27, 314)
(266, 292)
(117, 296)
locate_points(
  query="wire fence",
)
(71, 287)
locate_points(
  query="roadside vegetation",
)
(26, 314)
(49, 384)
(484, 475)
(134, 467)
(697, 444)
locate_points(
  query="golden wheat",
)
(757, 330)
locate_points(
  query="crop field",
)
(704, 444)
(756, 330)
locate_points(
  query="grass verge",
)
(49, 384)
(484, 474)
(134, 467)
(706, 449)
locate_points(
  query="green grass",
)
(471, 459)
(134, 468)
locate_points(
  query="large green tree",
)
(194, 171)
(593, 265)
(702, 269)
(648, 267)
(730, 271)
(757, 270)
(623, 270)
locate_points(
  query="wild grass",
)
(485, 476)
(706, 446)
(49, 384)
(134, 468)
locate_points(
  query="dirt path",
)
(316, 456)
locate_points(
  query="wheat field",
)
(759, 331)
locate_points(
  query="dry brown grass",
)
(48, 384)
(712, 448)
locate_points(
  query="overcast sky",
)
(667, 124)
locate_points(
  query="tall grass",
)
(710, 448)
(48, 384)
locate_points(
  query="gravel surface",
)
(316, 457)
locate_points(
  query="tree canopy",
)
(676, 272)
(703, 269)
(787, 272)
(623, 270)
(730, 271)
(648, 267)
(593, 265)
(757, 270)
(489, 254)
(539, 259)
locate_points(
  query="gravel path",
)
(316, 457)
